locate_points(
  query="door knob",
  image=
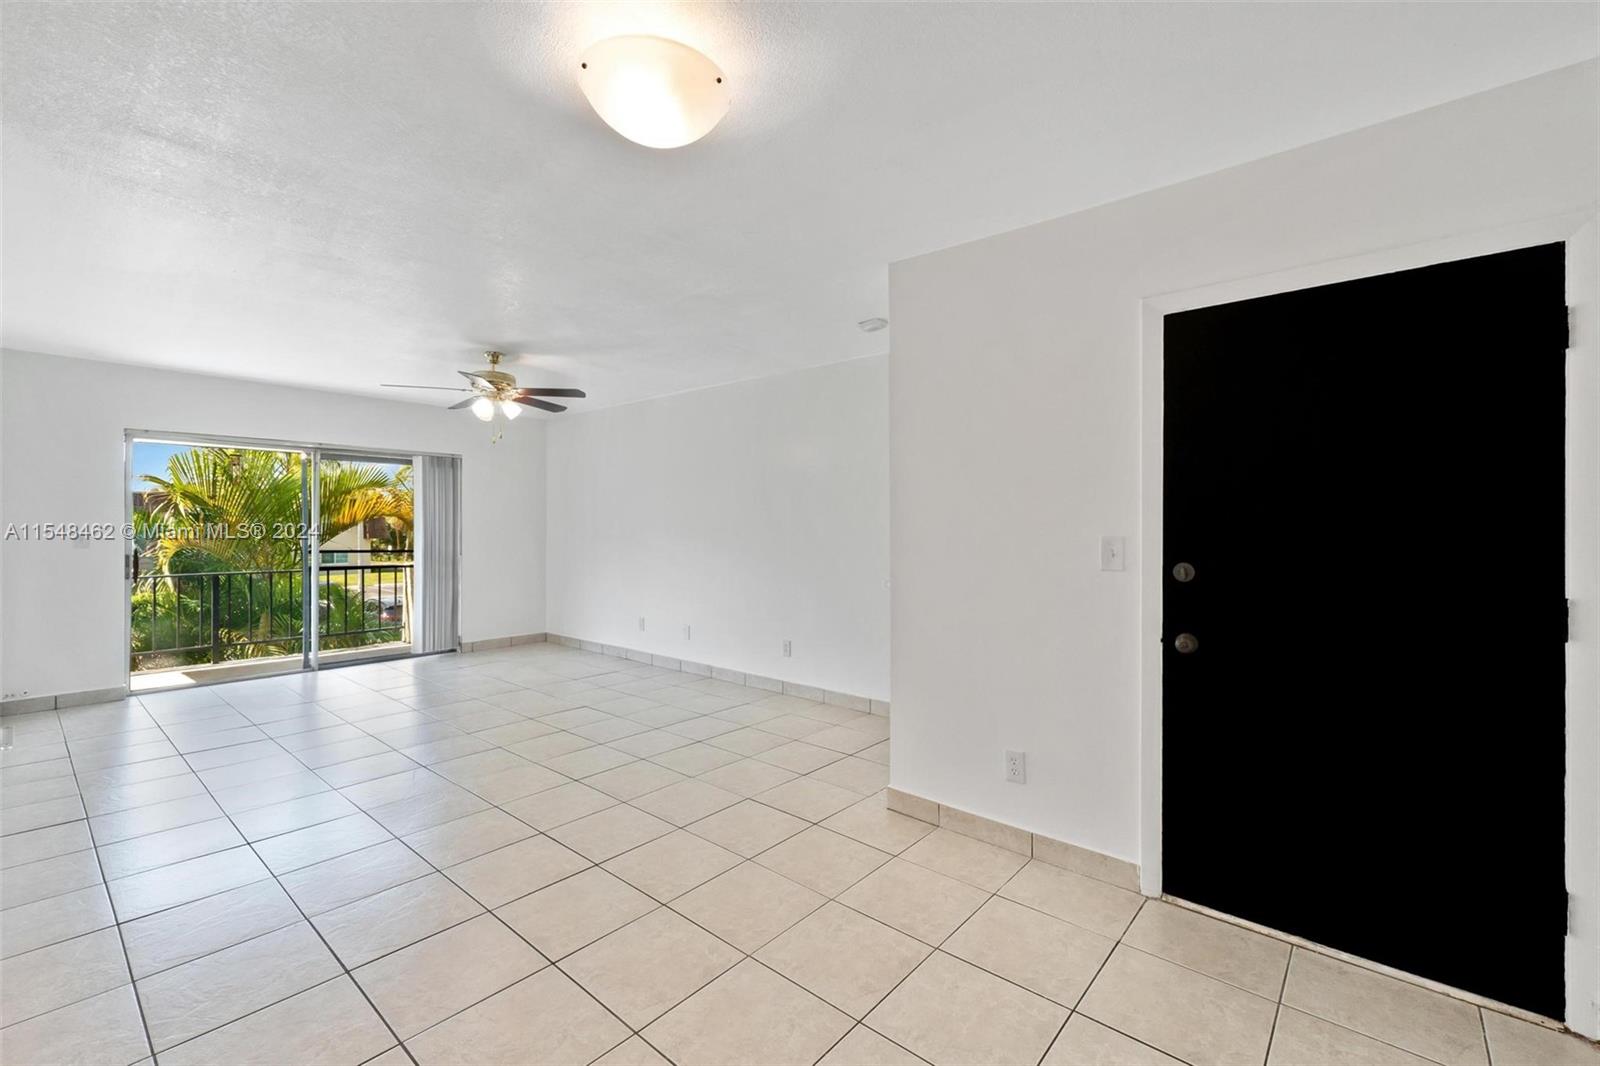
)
(1183, 572)
(1185, 643)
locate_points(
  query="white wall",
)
(754, 513)
(61, 443)
(1007, 635)
(1583, 646)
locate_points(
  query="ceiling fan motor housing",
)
(497, 387)
(494, 375)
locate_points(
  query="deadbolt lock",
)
(1183, 572)
(1185, 643)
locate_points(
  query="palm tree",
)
(219, 509)
(214, 502)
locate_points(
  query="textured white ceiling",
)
(341, 194)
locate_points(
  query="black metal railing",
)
(219, 615)
(390, 584)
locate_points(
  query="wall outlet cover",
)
(1017, 767)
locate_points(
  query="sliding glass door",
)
(216, 569)
(254, 560)
(364, 566)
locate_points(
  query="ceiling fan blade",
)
(540, 404)
(440, 388)
(476, 379)
(468, 402)
(578, 393)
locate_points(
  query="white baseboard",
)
(492, 643)
(1078, 859)
(63, 700)
(721, 673)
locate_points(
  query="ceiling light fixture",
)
(872, 325)
(495, 390)
(655, 92)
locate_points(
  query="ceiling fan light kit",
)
(654, 91)
(495, 392)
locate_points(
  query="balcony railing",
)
(224, 615)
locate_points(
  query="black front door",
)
(1363, 618)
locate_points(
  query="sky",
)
(150, 457)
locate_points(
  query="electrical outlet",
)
(788, 649)
(685, 632)
(641, 623)
(1017, 767)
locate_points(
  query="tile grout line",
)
(1098, 970)
(1277, 1011)
(934, 948)
(810, 823)
(303, 917)
(555, 963)
(493, 911)
(338, 790)
(1279, 1004)
(240, 711)
(437, 869)
(425, 713)
(600, 865)
(111, 904)
(1070, 1009)
(838, 756)
(550, 963)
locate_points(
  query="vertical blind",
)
(438, 559)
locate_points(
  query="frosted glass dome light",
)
(655, 92)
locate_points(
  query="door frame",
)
(1581, 232)
(313, 451)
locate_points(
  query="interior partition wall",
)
(249, 557)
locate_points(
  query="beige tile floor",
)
(542, 855)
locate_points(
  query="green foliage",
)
(239, 512)
(206, 507)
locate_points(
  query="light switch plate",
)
(1113, 553)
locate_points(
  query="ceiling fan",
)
(494, 390)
